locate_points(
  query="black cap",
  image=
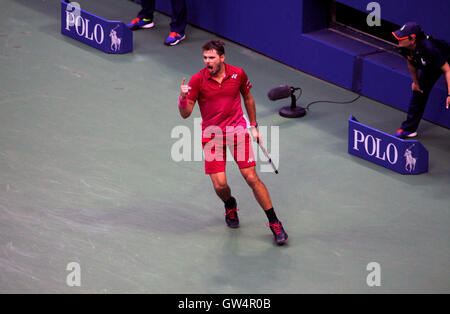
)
(407, 30)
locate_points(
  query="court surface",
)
(86, 176)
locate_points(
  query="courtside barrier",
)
(402, 156)
(108, 36)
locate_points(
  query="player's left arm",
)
(446, 69)
(438, 59)
(250, 106)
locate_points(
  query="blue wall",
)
(294, 32)
(273, 28)
(432, 15)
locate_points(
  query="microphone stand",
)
(293, 111)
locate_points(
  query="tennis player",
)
(217, 88)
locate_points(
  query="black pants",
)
(178, 24)
(418, 101)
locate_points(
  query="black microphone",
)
(280, 92)
(285, 91)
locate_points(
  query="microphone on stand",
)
(281, 92)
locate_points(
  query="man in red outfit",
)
(218, 88)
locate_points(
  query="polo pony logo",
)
(410, 160)
(115, 41)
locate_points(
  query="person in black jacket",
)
(430, 56)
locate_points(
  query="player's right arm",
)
(415, 86)
(185, 105)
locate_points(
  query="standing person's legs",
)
(419, 100)
(179, 16)
(178, 24)
(148, 8)
(144, 18)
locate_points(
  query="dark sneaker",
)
(280, 235)
(174, 38)
(405, 134)
(231, 217)
(140, 23)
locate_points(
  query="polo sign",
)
(402, 156)
(107, 36)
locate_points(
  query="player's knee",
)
(252, 179)
(220, 186)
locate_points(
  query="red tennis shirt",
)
(220, 104)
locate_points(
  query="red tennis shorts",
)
(215, 151)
